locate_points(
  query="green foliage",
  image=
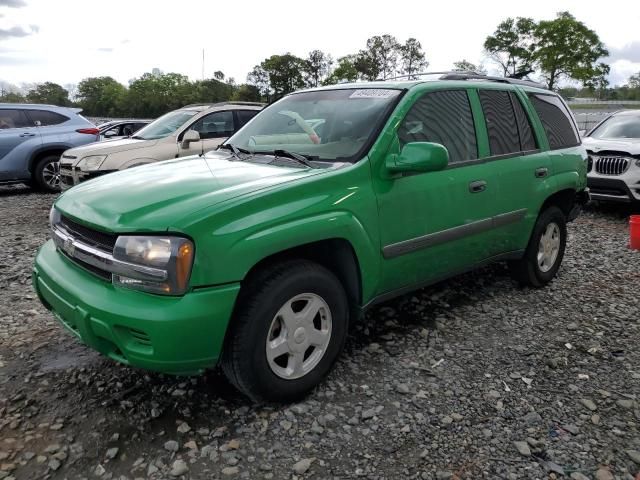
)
(567, 48)
(12, 97)
(634, 81)
(379, 59)
(246, 93)
(512, 45)
(285, 73)
(259, 78)
(49, 93)
(413, 57)
(317, 67)
(466, 66)
(102, 96)
(344, 72)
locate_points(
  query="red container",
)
(634, 232)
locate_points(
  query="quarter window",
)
(245, 115)
(13, 119)
(556, 120)
(442, 117)
(527, 140)
(47, 118)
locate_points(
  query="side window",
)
(46, 118)
(215, 125)
(14, 119)
(442, 117)
(245, 115)
(527, 140)
(501, 122)
(555, 120)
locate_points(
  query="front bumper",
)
(70, 175)
(613, 190)
(177, 335)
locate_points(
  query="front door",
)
(437, 223)
(213, 129)
(18, 139)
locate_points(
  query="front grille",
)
(102, 240)
(611, 165)
(90, 268)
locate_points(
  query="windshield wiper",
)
(303, 159)
(234, 150)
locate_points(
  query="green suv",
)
(258, 255)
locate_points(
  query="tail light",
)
(89, 131)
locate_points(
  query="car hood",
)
(156, 197)
(629, 145)
(108, 147)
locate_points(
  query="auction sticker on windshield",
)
(373, 93)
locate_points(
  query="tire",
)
(46, 174)
(532, 270)
(261, 316)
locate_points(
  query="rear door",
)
(213, 129)
(522, 167)
(19, 138)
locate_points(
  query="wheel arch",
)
(45, 151)
(563, 199)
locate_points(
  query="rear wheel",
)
(545, 251)
(46, 174)
(289, 328)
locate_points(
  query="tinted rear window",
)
(501, 122)
(47, 118)
(555, 120)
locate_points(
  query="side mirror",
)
(189, 137)
(419, 157)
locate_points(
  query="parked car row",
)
(39, 144)
(257, 256)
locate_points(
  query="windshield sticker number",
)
(373, 93)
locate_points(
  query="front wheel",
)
(545, 251)
(289, 328)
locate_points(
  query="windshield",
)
(621, 126)
(165, 125)
(323, 125)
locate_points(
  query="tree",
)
(50, 93)
(567, 48)
(379, 58)
(259, 78)
(466, 66)
(285, 73)
(246, 93)
(210, 90)
(12, 97)
(316, 68)
(413, 57)
(153, 95)
(634, 81)
(344, 72)
(101, 96)
(511, 45)
(218, 75)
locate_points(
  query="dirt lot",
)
(473, 378)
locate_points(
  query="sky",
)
(64, 41)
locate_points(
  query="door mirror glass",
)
(190, 136)
(419, 157)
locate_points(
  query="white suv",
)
(614, 158)
(191, 130)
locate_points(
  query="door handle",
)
(541, 172)
(477, 186)
(27, 134)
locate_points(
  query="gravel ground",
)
(473, 378)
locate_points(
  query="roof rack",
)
(216, 104)
(470, 75)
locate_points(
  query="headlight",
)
(91, 163)
(174, 255)
(54, 217)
